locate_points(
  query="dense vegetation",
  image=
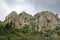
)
(9, 32)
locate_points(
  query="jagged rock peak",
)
(44, 12)
(13, 13)
(10, 17)
(18, 19)
(24, 13)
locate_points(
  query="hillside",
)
(43, 25)
(43, 19)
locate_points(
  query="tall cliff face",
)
(11, 17)
(23, 19)
(18, 19)
(45, 20)
(42, 20)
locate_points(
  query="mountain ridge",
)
(40, 19)
(43, 25)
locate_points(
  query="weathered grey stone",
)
(18, 19)
(42, 20)
(45, 20)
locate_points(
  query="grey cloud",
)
(52, 5)
(39, 5)
(15, 2)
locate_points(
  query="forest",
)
(9, 32)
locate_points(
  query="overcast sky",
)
(30, 6)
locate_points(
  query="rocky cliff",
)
(46, 20)
(42, 20)
(18, 19)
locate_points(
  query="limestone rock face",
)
(18, 19)
(24, 19)
(42, 20)
(11, 17)
(45, 20)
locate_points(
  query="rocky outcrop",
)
(45, 20)
(11, 17)
(42, 20)
(18, 19)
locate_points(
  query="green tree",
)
(25, 29)
(9, 28)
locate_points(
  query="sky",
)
(30, 6)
